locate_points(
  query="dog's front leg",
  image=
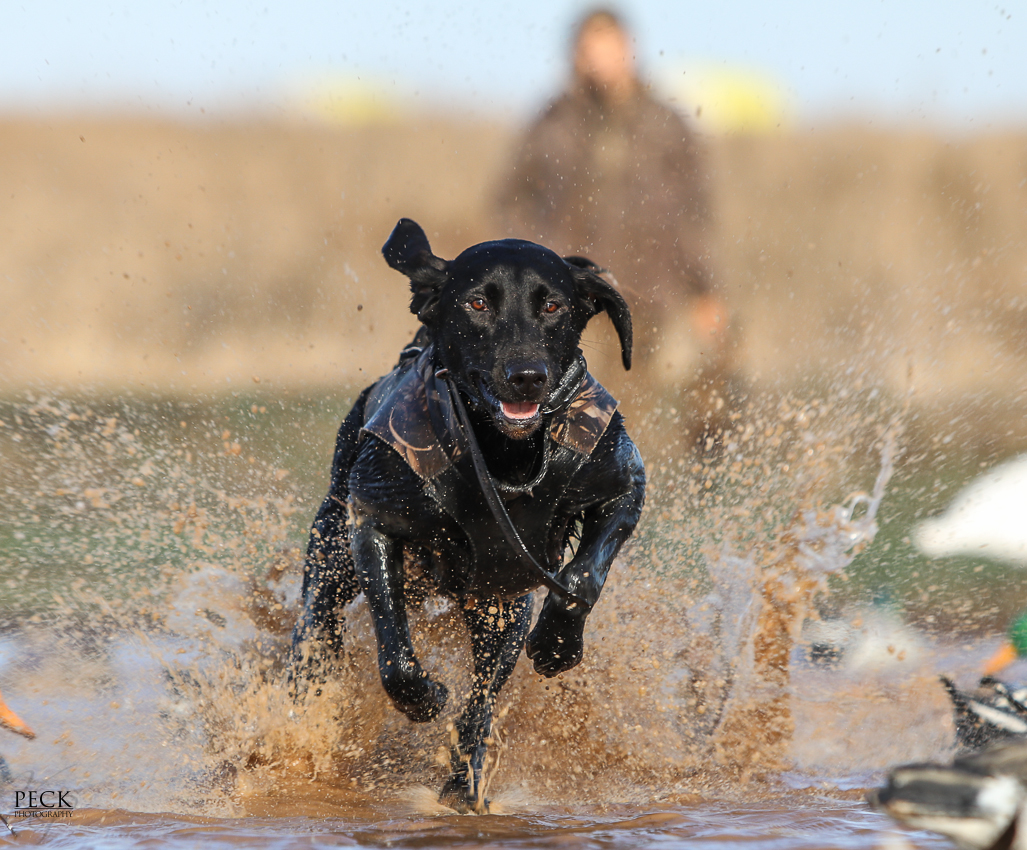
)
(379, 565)
(556, 644)
(497, 632)
(329, 580)
(329, 583)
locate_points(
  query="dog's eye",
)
(551, 306)
(479, 304)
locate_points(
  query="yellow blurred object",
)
(1005, 656)
(725, 99)
(351, 101)
(10, 720)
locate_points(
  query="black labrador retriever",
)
(482, 458)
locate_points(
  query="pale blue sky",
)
(962, 64)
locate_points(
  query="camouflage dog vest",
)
(411, 411)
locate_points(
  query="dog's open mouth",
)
(520, 417)
(519, 411)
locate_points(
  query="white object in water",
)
(876, 640)
(986, 518)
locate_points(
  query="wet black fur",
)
(505, 319)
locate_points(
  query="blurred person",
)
(609, 172)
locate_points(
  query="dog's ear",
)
(600, 296)
(407, 251)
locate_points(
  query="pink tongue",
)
(519, 410)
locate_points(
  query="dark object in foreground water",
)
(978, 801)
(492, 393)
(991, 713)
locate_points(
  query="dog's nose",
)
(528, 379)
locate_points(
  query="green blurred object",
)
(1018, 635)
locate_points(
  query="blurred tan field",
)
(178, 257)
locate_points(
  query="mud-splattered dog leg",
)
(379, 563)
(329, 578)
(497, 632)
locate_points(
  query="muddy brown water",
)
(150, 576)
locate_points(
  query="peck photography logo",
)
(38, 804)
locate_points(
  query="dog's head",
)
(506, 318)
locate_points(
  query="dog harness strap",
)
(568, 388)
(498, 509)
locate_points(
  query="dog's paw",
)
(556, 644)
(417, 695)
(463, 791)
(456, 795)
(430, 705)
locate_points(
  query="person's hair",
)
(599, 16)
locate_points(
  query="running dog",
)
(489, 461)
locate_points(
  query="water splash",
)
(182, 619)
(780, 586)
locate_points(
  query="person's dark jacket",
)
(622, 184)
